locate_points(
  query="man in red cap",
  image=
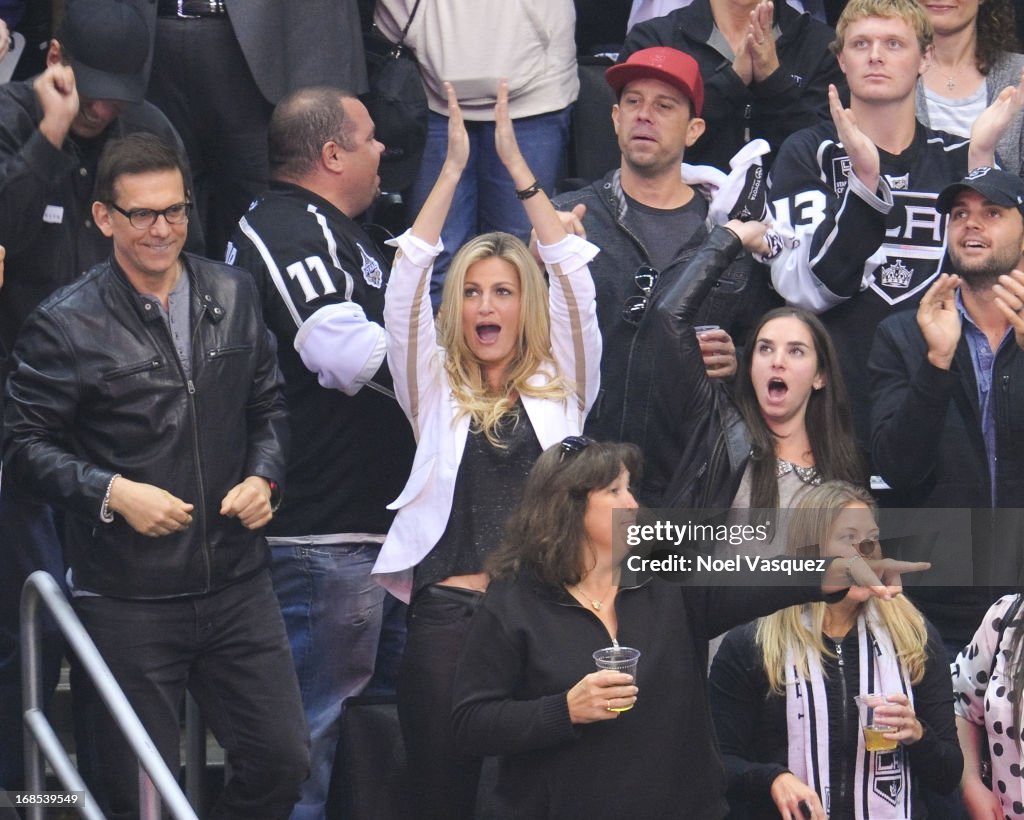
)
(766, 69)
(649, 223)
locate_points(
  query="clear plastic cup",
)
(618, 659)
(874, 731)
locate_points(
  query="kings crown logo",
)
(897, 275)
(371, 270)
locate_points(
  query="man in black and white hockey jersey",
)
(859, 194)
(322, 281)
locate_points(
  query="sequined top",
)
(808, 475)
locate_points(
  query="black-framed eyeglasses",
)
(573, 444)
(634, 307)
(145, 218)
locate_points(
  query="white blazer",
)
(421, 384)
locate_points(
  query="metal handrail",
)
(155, 779)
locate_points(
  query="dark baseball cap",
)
(999, 187)
(107, 45)
(670, 65)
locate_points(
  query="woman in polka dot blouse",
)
(987, 679)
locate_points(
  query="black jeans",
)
(230, 650)
(444, 782)
(28, 540)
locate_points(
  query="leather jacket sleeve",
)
(682, 404)
(42, 396)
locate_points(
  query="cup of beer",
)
(618, 659)
(874, 732)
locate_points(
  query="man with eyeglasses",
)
(322, 281)
(650, 223)
(52, 130)
(145, 402)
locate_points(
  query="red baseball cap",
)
(670, 65)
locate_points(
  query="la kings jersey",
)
(860, 255)
(321, 280)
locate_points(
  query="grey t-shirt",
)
(666, 231)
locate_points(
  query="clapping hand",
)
(939, 320)
(505, 138)
(761, 41)
(992, 124)
(1009, 291)
(458, 139)
(863, 153)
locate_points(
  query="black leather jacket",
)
(97, 389)
(695, 442)
(736, 300)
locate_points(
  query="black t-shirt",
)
(488, 487)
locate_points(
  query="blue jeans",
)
(28, 540)
(485, 199)
(229, 649)
(332, 612)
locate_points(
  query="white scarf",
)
(882, 779)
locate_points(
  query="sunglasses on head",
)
(573, 444)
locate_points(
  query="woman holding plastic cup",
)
(575, 741)
(783, 690)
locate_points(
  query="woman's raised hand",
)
(430, 220)
(599, 694)
(505, 140)
(458, 139)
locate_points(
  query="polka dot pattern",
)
(983, 696)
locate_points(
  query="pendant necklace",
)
(595, 604)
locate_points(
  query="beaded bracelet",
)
(106, 516)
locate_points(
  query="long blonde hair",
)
(809, 529)
(485, 406)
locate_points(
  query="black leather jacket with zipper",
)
(98, 389)
(695, 442)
